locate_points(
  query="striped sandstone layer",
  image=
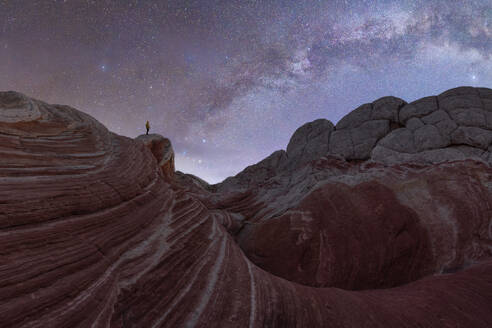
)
(94, 234)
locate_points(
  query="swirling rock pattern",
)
(94, 234)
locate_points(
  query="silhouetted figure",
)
(147, 126)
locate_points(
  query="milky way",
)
(229, 81)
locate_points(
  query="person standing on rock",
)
(147, 126)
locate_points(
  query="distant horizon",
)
(228, 82)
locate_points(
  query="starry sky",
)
(229, 81)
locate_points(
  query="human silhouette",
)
(147, 126)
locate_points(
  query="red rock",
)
(92, 234)
(402, 226)
(162, 150)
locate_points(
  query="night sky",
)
(229, 81)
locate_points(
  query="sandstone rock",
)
(387, 108)
(356, 117)
(444, 124)
(436, 117)
(446, 128)
(17, 108)
(428, 137)
(400, 140)
(414, 123)
(357, 133)
(162, 150)
(365, 137)
(488, 120)
(193, 181)
(92, 234)
(418, 108)
(469, 117)
(341, 143)
(432, 156)
(472, 152)
(487, 104)
(484, 93)
(462, 97)
(322, 238)
(356, 137)
(257, 173)
(309, 142)
(458, 118)
(472, 136)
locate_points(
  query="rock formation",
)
(382, 220)
(162, 150)
(456, 125)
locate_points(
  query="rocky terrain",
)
(382, 220)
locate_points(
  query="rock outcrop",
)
(162, 150)
(456, 125)
(384, 220)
